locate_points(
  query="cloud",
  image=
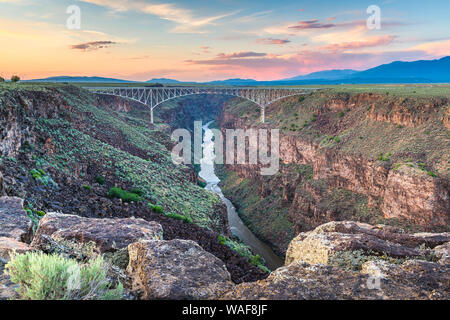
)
(246, 54)
(352, 45)
(312, 24)
(184, 18)
(273, 41)
(94, 45)
(205, 49)
(436, 48)
(270, 67)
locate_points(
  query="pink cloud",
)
(278, 67)
(273, 41)
(245, 54)
(372, 42)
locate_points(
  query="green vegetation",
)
(35, 217)
(177, 216)
(382, 157)
(40, 176)
(126, 196)
(54, 277)
(244, 251)
(156, 208)
(100, 180)
(86, 187)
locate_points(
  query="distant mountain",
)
(163, 80)
(325, 75)
(427, 70)
(421, 71)
(78, 79)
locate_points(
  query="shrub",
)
(2, 79)
(15, 78)
(137, 191)
(201, 183)
(222, 239)
(341, 114)
(381, 157)
(177, 216)
(40, 213)
(156, 208)
(53, 277)
(124, 195)
(88, 188)
(40, 176)
(100, 180)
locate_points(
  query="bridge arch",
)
(154, 96)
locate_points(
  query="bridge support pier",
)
(151, 116)
(263, 115)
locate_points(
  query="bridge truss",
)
(154, 96)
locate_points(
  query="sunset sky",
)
(200, 40)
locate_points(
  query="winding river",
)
(237, 227)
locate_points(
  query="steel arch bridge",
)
(154, 96)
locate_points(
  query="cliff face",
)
(362, 157)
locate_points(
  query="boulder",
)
(14, 221)
(176, 269)
(7, 245)
(301, 281)
(384, 232)
(320, 248)
(327, 240)
(108, 235)
(442, 252)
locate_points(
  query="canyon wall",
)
(331, 168)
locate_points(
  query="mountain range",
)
(421, 71)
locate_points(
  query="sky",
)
(203, 40)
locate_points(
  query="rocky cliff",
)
(367, 157)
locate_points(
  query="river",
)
(237, 227)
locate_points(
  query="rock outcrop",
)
(324, 242)
(14, 226)
(374, 262)
(413, 279)
(176, 269)
(109, 235)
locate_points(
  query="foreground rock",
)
(14, 222)
(351, 260)
(109, 235)
(326, 241)
(176, 269)
(412, 280)
(14, 226)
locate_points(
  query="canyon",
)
(362, 194)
